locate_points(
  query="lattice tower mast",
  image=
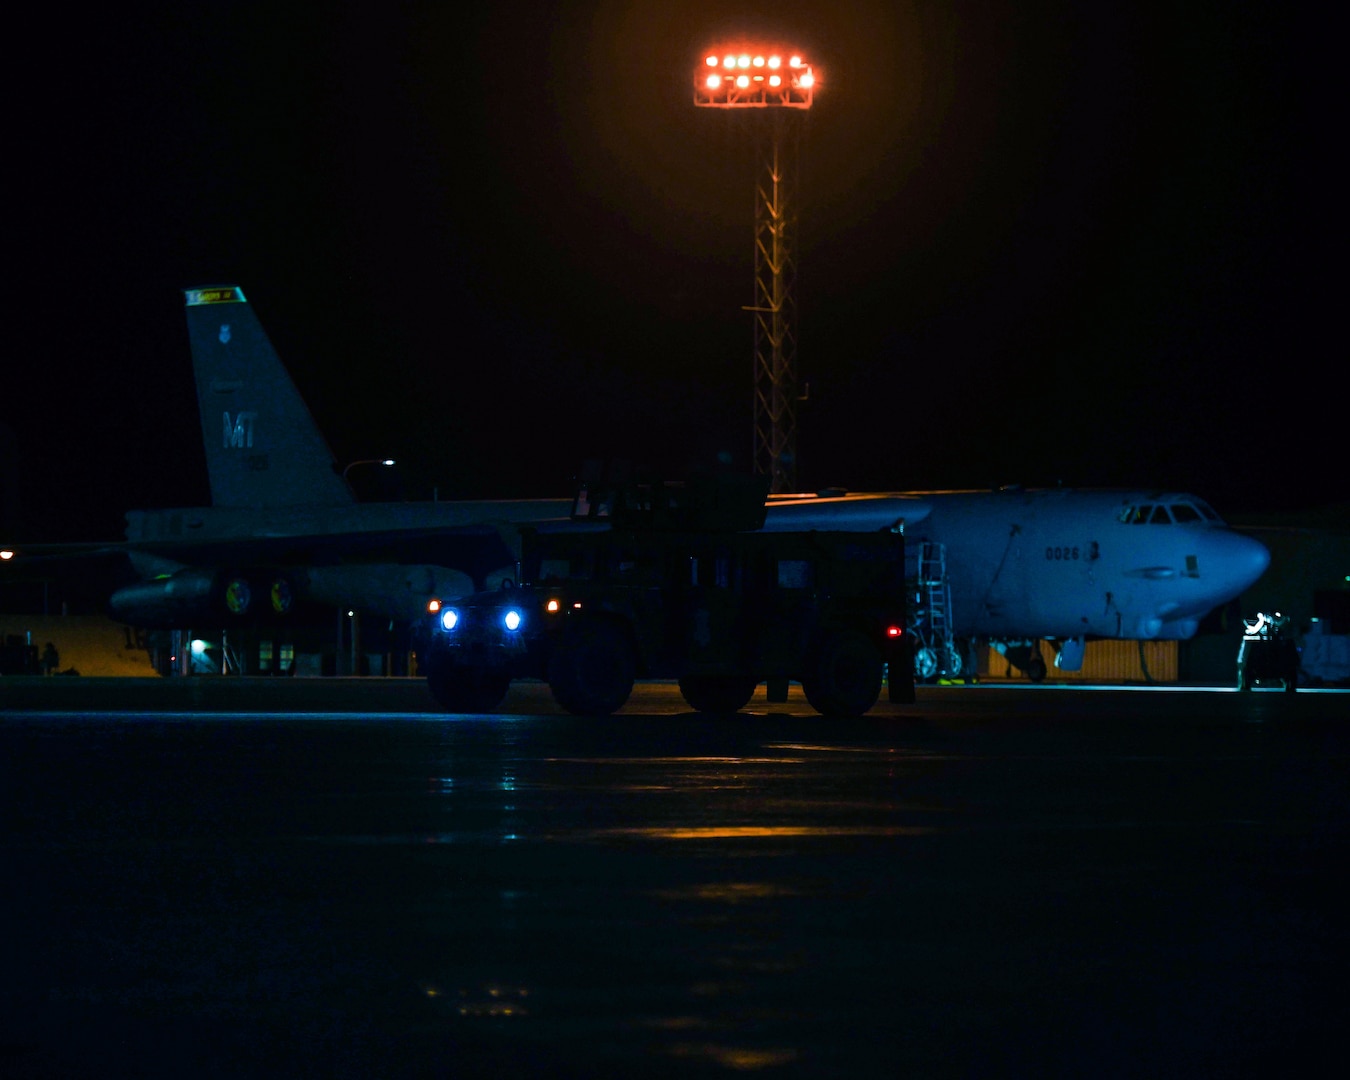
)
(783, 84)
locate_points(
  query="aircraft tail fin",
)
(262, 445)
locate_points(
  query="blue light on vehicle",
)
(511, 620)
(449, 618)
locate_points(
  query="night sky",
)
(1041, 241)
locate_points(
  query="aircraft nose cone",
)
(1230, 563)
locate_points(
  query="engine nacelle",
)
(196, 595)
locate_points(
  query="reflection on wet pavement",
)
(343, 896)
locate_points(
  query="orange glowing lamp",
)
(754, 79)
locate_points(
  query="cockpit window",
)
(1156, 514)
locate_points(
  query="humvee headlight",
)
(511, 620)
(449, 618)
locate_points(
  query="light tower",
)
(782, 83)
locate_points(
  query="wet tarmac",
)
(995, 881)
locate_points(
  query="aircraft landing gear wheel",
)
(463, 691)
(1035, 669)
(969, 652)
(925, 663)
(845, 676)
(718, 693)
(592, 669)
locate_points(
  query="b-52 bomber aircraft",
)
(1013, 567)
(1006, 567)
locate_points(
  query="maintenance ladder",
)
(936, 652)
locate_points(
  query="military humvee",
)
(675, 581)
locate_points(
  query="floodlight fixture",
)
(737, 79)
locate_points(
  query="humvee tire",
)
(844, 677)
(591, 671)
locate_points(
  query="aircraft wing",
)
(23, 555)
(88, 560)
(428, 544)
(844, 513)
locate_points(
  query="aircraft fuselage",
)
(1065, 563)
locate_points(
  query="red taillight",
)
(894, 631)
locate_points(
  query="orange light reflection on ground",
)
(740, 832)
